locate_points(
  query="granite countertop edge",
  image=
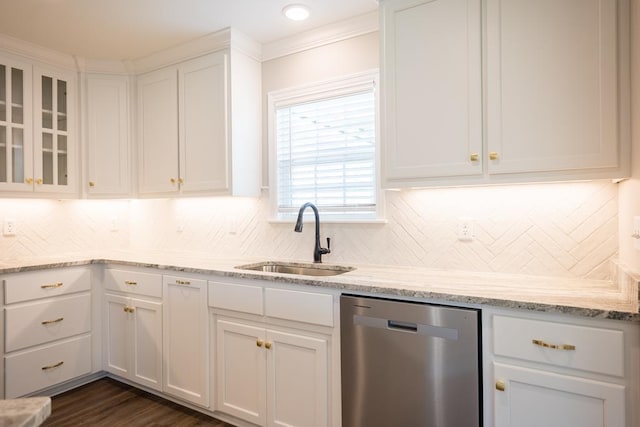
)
(369, 280)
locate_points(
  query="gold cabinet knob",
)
(172, 181)
(267, 345)
(500, 385)
(493, 155)
(259, 343)
(29, 180)
(39, 181)
(128, 309)
(474, 157)
(180, 181)
(92, 184)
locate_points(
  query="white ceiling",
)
(127, 29)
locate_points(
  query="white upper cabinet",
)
(553, 75)
(107, 135)
(550, 103)
(431, 89)
(199, 126)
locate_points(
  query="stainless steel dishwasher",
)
(407, 364)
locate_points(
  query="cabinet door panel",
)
(118, 336)
(203, 123)
(241, 387)
(108, 135)
(185, 339)
(552, 85)
(431, 105)
(147, 343)
(534, 398)
(158, 131)
(297, 375)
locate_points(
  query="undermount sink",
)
(297, 268)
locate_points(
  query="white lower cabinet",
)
(134, 339)
(534, 397)
(560, 371)
(186, 339)
(271, 377)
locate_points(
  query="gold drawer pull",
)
(183, 282)
(92, 184)
(493, 155)
(554, 346)
(46, 368)
(52, 285)
(474, 157)
(500, 386)
(130, 283)
(128, 309)
(267, 345)
(48, 322)
(259, 343)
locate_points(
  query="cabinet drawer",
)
(571, 346)
(34, 370)
(134, 282)
(46, 283)
(245, 298)
(299, 306)
(46, 321)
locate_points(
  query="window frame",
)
(316, 91)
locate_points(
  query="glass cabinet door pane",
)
(47, 158)
(62, 105)
(17, 96)
(17, 154)
(47, 102)
(3, 93)
(62, 160)
(3, 154)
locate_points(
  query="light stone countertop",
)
(26, 412)
(616, 299)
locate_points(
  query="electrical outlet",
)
(466, 231)
(9, 227)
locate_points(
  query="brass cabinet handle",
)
(500, 385)
(130, 283)
(493, 155)
(183, 282)
(267, 345)
(52, 285)
(46, 368)
(39, 181)
(474, 157)
(172, 181)
(29, 180)
(180, 181)
(259, 343)
(128, 309)
(554, 346)
(48, 322)
(92, 184)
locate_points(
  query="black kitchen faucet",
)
(317, 250)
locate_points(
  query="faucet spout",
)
(318, 251)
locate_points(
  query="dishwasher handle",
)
(403, 326)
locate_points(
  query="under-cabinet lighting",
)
(296, 12)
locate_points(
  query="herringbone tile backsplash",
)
(548, 229)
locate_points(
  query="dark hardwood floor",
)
(107, 402)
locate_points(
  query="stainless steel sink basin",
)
(297, 268)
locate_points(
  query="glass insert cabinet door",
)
(52, 128)
(16, 154)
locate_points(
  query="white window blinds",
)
(326, 154)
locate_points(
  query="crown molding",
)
(35, 52)
(342, 30)
(100, 66)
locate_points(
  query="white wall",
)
(630, 190)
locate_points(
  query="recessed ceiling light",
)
(296, 12)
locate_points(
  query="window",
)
(323, 146)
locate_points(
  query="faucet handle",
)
(328, 245)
